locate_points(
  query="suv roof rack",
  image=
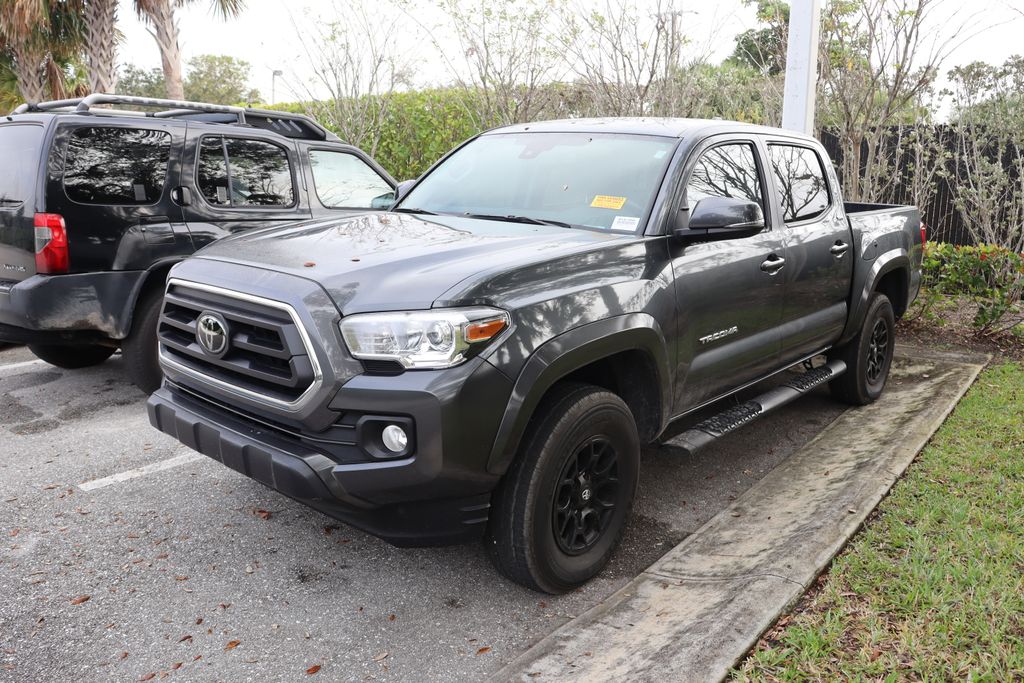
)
(285, 123)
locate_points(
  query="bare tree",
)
(619, 54)
(879, 59)
(356, 63)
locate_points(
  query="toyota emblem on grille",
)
(212, 333)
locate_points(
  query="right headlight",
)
(438, 338)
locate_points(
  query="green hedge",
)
(989, 275)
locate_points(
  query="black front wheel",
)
(563, 505)
(868, 356)
(72, 356)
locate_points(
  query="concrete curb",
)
(693, 614)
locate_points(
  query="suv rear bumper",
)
(410, 502)
(83, 307)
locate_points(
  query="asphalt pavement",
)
(124, 554)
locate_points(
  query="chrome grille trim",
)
(217, 383)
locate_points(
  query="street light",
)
(273, 83)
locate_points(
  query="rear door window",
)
(238, 172)
(344, 181)
(18, 163)
(800, 178)
(119, 166)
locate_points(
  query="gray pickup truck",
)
(486, 359)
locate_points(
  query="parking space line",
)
(140, 471)
(22, 364)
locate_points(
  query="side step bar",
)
(731, 419)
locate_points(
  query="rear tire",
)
(868, 356)
(562, 507)
(140, 348)
(72, 356)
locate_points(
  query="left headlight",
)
(439, 338)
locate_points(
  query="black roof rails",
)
(282, 122)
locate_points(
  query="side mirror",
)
(721, 218)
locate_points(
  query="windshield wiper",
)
(403, 209)
(529, 220)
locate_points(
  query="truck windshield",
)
(602, 181)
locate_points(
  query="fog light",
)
(395, 439)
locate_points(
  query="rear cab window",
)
(116, 166)
(800, 178)
(244, 173)
(344, 181)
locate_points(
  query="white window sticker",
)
(625, 223)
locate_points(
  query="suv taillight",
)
(51, 244)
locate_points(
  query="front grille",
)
(267, 356)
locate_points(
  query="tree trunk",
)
(101, 44)
(165, 31)
(30, 67)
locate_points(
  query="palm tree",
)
(39, 40)
(159, 14)
(100, 17)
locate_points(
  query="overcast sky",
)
(265, 35)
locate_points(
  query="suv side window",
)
(238, 172)
(105, 165)
(344, 181)
(728, 170)
(803, 190)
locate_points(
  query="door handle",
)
(773, 264)
(181, 195)
(839, 249)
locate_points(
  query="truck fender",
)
(570, 351)
(865, 284)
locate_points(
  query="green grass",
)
(933, 587)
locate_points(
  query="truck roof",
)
(662, 126)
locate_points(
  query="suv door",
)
(820, 255)
(729, 293)
(343, 179)
(234, 181)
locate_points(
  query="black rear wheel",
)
(140, 348)
(72, 356)
(562, 507)
(868, 356)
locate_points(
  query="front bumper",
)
(58, 308)
(439, 494)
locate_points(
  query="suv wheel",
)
(72, 356)
(868, 356)
(560, 511)
(140, 348)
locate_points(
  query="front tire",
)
(868, 356)
(72, 356)
(140, 348)
(562, 507)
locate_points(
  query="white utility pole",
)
(801, 66)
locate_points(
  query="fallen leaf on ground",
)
(181, 578)
(124, 655)
(184, 638)
(80, 599)
(232, 645)
(380, 657)
(484, 650)
(176, 665)
(199, 621)
(224, 605)
(392, 618)
(313, 669)
(263, 514)
(148, 677)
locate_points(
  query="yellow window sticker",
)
(603, 201)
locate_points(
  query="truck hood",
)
(391, 261)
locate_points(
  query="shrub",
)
(989, 275)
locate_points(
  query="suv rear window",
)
(116, 165)
(801, 179)
(238, 172)
(18, 162)
(344, 180)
